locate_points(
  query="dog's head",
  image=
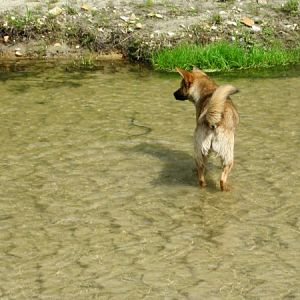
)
(191, 84)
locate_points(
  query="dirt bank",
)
(134, 29)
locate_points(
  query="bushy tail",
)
(215, 106)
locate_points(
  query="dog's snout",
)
(178, 95)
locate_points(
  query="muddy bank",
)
(134, 29)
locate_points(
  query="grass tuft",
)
(223, 56)
(290, 7)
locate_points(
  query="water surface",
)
(99, 199)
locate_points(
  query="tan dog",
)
(216, 119)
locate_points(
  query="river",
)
(99, 197)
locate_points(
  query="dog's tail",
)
(215, 107)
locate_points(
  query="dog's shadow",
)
(178, 166)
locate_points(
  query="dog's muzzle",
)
(179, 96)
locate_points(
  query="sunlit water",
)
(99, 199)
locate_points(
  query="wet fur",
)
(216, 120)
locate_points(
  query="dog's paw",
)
(202, 183)
(224, 187)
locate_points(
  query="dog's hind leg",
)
(200, 162)
(202, 144)
(223, 145)
(224, 175)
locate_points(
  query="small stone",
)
(40, 21)
(159, 16)
(138, 26)
(6, 38)
(247, 21)
(77, 47)
(232, 23)
(214, 27)
(133, 17)
(171, 34)
(18, 52)
(289, 27)
(256, 28)
(124, 18)
(257, 19)
(55, 11)
(85, 7)
(262, 2)
(57, 44)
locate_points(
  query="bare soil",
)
(134, 29)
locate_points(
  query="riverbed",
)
(99, 197)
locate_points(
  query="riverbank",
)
(136, 29)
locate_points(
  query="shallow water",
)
(99, 199)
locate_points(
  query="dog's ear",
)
(186, 75)
(197, 70)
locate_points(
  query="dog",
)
(216, 120)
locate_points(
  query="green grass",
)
(222, 56)
(290, 6)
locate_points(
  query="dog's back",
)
(216, 125)
(219, 109)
